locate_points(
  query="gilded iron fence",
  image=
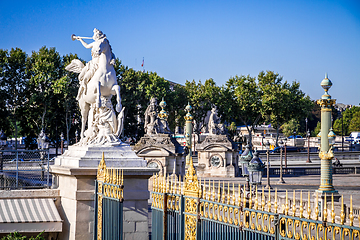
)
(109, 203)
(191, 209)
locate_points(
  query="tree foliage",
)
(348, 122)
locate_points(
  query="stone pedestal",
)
(217, 157)
(161, 151)
(74, 175)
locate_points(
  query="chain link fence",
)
(24, 169)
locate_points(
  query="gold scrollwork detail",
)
(326, 103)
(326, 156)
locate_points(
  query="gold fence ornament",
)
(286, 204)
(342, 213)
(275, 202)
(332, 209)
(351, 215)
(301, 210)
(325, 208)
(223, 193)
(316, 206)
(218, 193)
(228, 194)
(250, 197)
(239, 198)
(101, 169)
(244, 200)
(256, 198)
(233, 194)
(294, 205)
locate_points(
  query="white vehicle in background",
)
(355, 137)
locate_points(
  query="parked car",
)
(288, 149)
(296, 136)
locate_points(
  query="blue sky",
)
(186, 40)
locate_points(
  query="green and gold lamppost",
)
(188, 134)
(327, 140)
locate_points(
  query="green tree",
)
(13, 83)
(347, 123)
(67, 87)
(281, 102)
(240, 102)
(290, 127)
(354, 125)
(44, 109)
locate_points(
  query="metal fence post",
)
(96, 209)
(182, 217)
(277, 226)
(165, 216)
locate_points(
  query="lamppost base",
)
(268, 187)
(308, 161)
(281, 181)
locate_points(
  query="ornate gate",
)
(109, 203)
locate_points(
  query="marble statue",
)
(156, 123)
(214, 127)
(98, 84)
(42, 141)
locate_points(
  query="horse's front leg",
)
(115, 90)
(98, 95)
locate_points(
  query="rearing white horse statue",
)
(97, 85)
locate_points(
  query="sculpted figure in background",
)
(151, 124)
(97, 85)
(213, 121)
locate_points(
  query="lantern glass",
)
(255, 177)
(244, 168)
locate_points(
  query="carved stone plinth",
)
(161, 151)
(217, 157)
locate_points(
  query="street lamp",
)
(331, 137)
(267, 145)
(245, 158)
(62, 142)
(255, 168)
(281, 144)
(327, 139)
(308, 138)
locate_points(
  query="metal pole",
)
(281, 180)
(268, 170)
(285, 158)
(342, 133)
(308, 159)
(62, 146)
